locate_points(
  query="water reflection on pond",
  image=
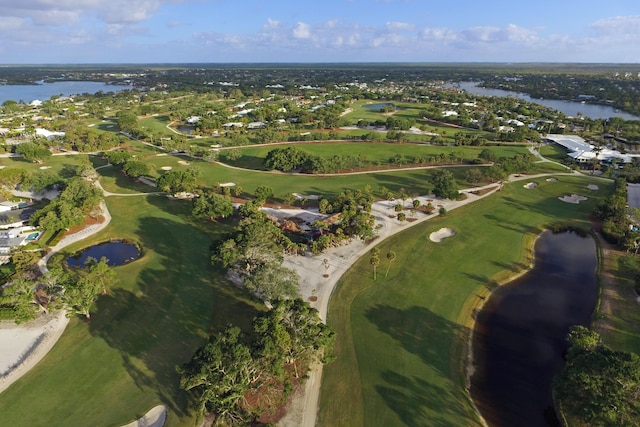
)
(519, 337)
(117, 252)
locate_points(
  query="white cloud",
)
(302, 31)
(618, 25)
(271, 23)
(399, 26)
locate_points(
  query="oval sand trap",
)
(574, 198)
(593, 187)
(530, 185)
(228, 184)
(184, 163)
(45, 167)
(166, 168)
(552, 179)
(440, 235)
(154, 418)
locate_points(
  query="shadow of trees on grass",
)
(429, 336)
(179, 301)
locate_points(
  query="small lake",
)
(186, 129)
(570, 108)
(379, 106)
(45, 91)
(519, 339)
(117, 252)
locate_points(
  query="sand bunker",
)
(154, 418)
(2, 167)
(45, 167)
(228, 184)
(593, 187)
(166, 168)
(552, 179)
(574, 198)
(530, 185)
(306, 196)
(440, 235)
(184, 163)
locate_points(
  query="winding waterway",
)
(519, 339)
(570, 108)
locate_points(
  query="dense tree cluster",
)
(28, 293)
(599, 386)
(254, 253)
(444, 184)
(238, 379)
(612, 211)
(78, 199)
(178, 181)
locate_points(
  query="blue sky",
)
(218, 31)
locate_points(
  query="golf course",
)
(401, 340)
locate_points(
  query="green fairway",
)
(401, 339)
(112, 369)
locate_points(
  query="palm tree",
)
(375, 260)
(391, 256)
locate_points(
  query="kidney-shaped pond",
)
(117, 252)
(519, 338)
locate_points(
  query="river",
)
(570, 108)
(519, 339)
(45, 91)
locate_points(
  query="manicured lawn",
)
(156, 124)
(54, 164)
(400, 339)
(618, 326)
(117, 366)
(554, 152)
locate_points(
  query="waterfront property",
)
(582, 152)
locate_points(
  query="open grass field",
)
(110, 370)
(156, 124)
(401, 338)
(554, 152)
(619, 317)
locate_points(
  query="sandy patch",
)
(2, 167)
(593, 187)
(45, 167)
(552, 179)
(574, 198)
(306, 196)
(530, 185)
(166, 168)
(440, 235)
(228, 184)
(184, 162)
(154, 418)
(161, 154)
(23, 346)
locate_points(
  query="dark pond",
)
(117, 252)
(378, 106)
(186, 129)
(520, 334)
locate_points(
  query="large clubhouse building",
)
(583, 152)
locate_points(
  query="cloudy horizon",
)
(259, 31)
